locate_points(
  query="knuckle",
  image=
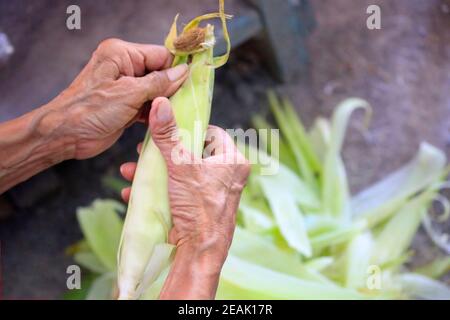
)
(158, 82)
(214, 129)
(167, 133)
(105, 47)
(108, 44)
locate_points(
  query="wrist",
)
(32, 143)
(50, 127)
(194, 274)
(208, 255)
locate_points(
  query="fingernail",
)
(177, 72)
(164, 112)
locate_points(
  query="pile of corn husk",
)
(300, 233)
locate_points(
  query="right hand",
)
(204, 194)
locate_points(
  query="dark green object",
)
(280, 29)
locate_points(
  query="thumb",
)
(164, 82)
(164, 128)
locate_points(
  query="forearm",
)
(194, 275)
(33, 143)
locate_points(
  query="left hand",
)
(108, 94)
(89, 116)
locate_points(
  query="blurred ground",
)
(403, 70)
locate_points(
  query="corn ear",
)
(144, 252)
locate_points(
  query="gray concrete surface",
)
(403, 70)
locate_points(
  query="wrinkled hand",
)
(109, 93)
(204, 195)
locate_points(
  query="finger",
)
(155, 57)
(146, 57)
(221, 149)
(125, 193)
(134, 59)
(163, 83)
(128, 170)
(139, 148)
(218, 142)
(165, 132)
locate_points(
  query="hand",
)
(89, 116)
(110, 91)
(204, 196)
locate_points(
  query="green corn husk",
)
(310, 239)
(144, 252)
(101, 226)
(348, 236)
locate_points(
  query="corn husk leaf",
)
(285, 207)
(89, 261)
(422, 287)
(291, 134)
(240, 277)
(101, 287)
(320, 137)
(378, 202)
(102, 226)
(357, 258)
(391, 244)
(435, 269)
(255, 220)
(335, 190)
